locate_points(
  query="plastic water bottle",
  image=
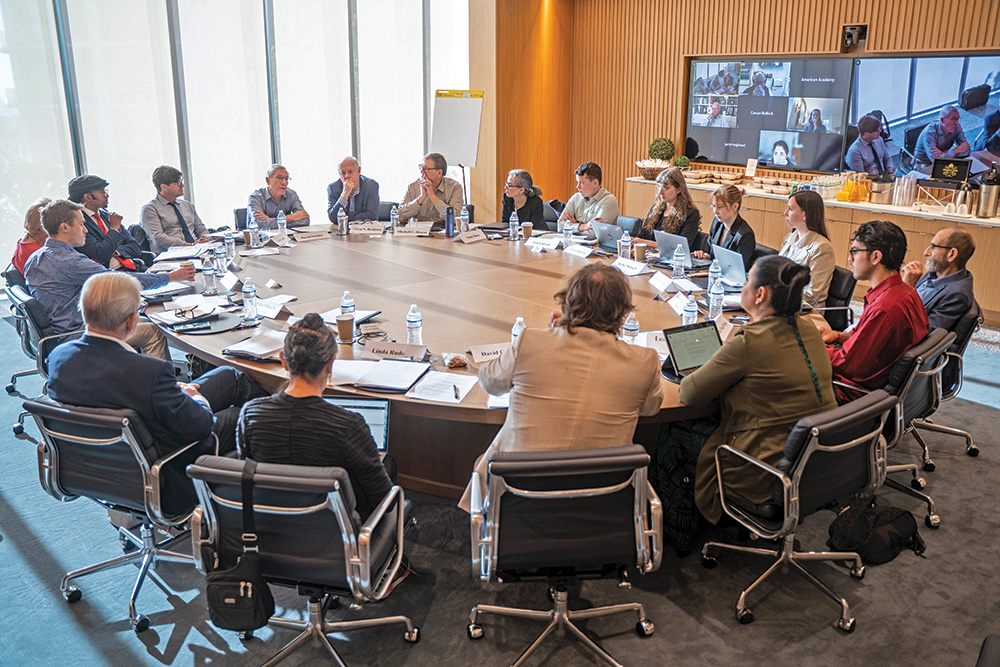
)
(631, 328)
(515, 226)
(254, 230)
(715, 295)
(625, 246)
(393, 219)
(690, 312)
(282, 223)
(567, 230)
(347, 304)
(230, 246)
(516, 330)
(414, 326)
(463, 220)
(341, 223)
(678, 262)
(249, 299)
(208, 273)
(714, 273)
(221, 265)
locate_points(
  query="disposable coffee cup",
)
(345, 329)
(526, 229)
(187, 263)
(246, 238)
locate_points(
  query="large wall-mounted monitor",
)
(789, 113)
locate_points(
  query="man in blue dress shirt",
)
(867, 154)
(943, 282)
(265, 202)
(945, 138)
(56, 272)
(357, 195)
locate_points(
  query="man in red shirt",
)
(894, 318)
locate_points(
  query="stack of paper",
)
(443, 387)
(394, 376)
(264, 345)
(182, 252)
(169, 288)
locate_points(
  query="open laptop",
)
(733, 273)
(666, 243)
(689, 347)
(375, 412)
(607, 236)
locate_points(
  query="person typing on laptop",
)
(297, 427)
(674, 210)
(771, 373)
(729, 229)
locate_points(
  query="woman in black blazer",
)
(673, 211)
(520, 193)
(728, 229)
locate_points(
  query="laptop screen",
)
(691, 346)
(375, 412)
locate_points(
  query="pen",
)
(458, 395)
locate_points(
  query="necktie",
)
(180, 219)
(127, 263)
(878, 160)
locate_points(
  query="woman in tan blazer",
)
(574, 385)
(770, 374)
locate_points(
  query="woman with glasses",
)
(809, 243)
(674, 210)
(520, 194)
(729, 230)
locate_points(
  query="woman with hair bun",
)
(521, 194)
(297, 427)
(771, 373)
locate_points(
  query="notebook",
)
(689, 347)
(666, 243)
(375, 412)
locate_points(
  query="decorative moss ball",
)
(661, 149)
(683, 162)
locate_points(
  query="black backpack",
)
(877, 534)
(883, 130)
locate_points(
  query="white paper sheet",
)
(443, 387)
(349, 371)
(498, 402)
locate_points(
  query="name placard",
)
(726, 328)
(370, 328)
(273, 284)
(310, 236)
(415, 229)
(367, 227)
(472, 236)
(751, 167)
(230, 282)
(630, 267)
(677, 302)
(237, 263)
(660, 282)
(270, 309)
(546, 242)
(279, 240)
(579, 250)
(481, 353)
(395, 351)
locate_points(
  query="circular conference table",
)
(467, 294)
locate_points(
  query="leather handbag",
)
(239, 598)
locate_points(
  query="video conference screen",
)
(789, 114)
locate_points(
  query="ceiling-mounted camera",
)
(854, 34)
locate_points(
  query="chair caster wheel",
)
(972, 450)
(847, 625)
(244, 635)
(858, 572)
(140, 624)
(929, 465)
(932, 521)
(744, 616)
(475, 631)
(18, 429)
(72, 594)
(11, 388)
(644, 628)
(413, 636)
(708, 561)
(918, 483)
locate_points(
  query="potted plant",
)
(660, 152)
(682, 162)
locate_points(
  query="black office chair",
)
(828, 458)
(12, 276)
(37, 338)
(561, 516)
(385, 208)
(240, 218)
(907, 160)
(761, 251)
(951, 376)
(850, 136)
(110, 457)
(838, 312)
(629, 224)
(309, 537)
(700, 242)
(139, 234)
(551, 216)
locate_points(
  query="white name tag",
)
(726, 328)
(481, 353)
(367, 227)
(472, 236)
(677, 302)
(546, 242)
(230, 282)
(310, 236)
(660, 282)
(653, 340)
(630, 267)
(579, 250)
(395, 351)
(370, 328)
(415, 229)
(279, 240)
(237, 263)
(270, 309)
(751, 167)
(272, 284)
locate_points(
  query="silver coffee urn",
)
(989, 193)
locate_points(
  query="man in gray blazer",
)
(357, 195)
(943, 282)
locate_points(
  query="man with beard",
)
(943, 282)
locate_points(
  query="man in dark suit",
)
(943, 282)
(357, 195)
(108, 242)
(100, 370)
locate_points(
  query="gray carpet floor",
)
(934, 610)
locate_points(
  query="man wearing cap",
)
(108, 242)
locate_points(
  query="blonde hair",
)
(33, 218)
(731, 195)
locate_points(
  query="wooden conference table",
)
(467, 294)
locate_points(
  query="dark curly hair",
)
(309, 346)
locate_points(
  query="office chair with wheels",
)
(562, 516)
(951, 376)
(828, 458)
(110, 457)
(12, 277)
(629, 224)
(838, 312)
(37, 338)
(309, 537)
(907, 159)
(385, 209)
(240, 218)
(762, 251)
(138, 232)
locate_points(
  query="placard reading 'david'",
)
(481, 353)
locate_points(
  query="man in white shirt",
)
(591, 201)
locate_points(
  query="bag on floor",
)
(877, 534)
